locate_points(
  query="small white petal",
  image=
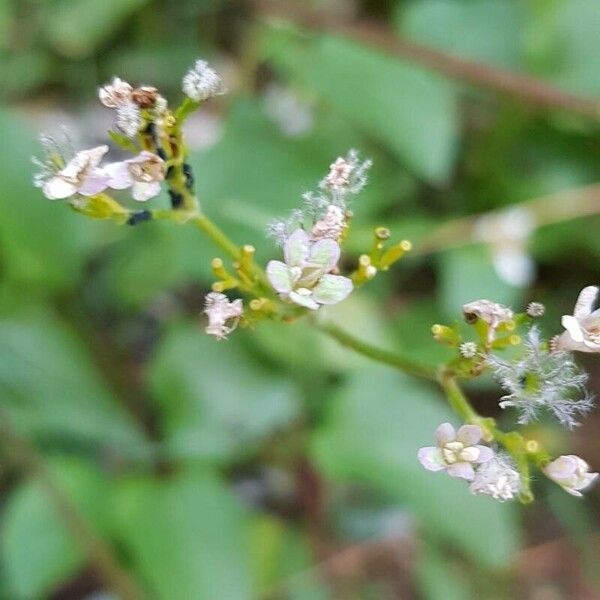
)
(57, 188)
(571, 324)
(96, 181)
(585, 301)
(469, 434)
(119, 175)
(296, 248)
(444, 434)
(461, 470)
(325, 253)
(303, 300)
(431, 458)
(332, 289)
(142, 191)
(280, 277)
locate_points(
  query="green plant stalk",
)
(99, 553)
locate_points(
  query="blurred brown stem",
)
(99, 553)
(379, 37)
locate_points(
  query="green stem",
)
(383, 356)
(99, 553)
(206, 226)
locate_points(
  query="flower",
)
(142, 174)
(507, 233)
(223, 315)
(129, 119)
(583, 327)
(202, 82)
(347, 175)
(490, 312)
(542, 380)
(571, 473)
(497, 478)
(468, 349)
(81, 175)
(456, 452)
(331, 225)
(115, 94)
(304, 276)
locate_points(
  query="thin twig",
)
(380, 37)
(99, 553)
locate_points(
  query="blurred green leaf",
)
(216, 401)
(467, 274)
(187, 535)
(38, 551)
(411, 111)
(51, 387)
(488, 31)
(376, 424)
(22, 72)
(438, 578)
(76, 28)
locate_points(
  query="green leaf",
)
(376, 424)
(411, 111)
(488, 31)
(187, 536)
(467, 274)
(76, 28)
(215, 399)
(38, 552)
(50, 385)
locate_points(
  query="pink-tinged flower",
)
(142, 174)
(456, 452)
(81, 175)
(223, 315)
(583, 327)
(304, 278)
(571, 473)
(116, 93)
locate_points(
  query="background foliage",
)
(278, 465)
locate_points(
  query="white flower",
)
(507, 233)
(304, 276)
(142, 174)
(223, 315)
(129, 119)
(496, 478)
(202, 82)
(456, 452)
(116, 93)
(583, 327)
(331, 225)
(571, 473)
(81, 175)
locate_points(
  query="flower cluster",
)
(223, 315)
(537, 376)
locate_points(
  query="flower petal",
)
(431, 458)
(303, 300)
(571, 324)
(445, 433)
(332, 289)
(57, 188)
(95, 182)
(279, 276)
(325, 253)
(119, 175)
(585, 301)
(485, 453)
(461, 470)
(144, 190)
(469, 435)
(296, 248)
